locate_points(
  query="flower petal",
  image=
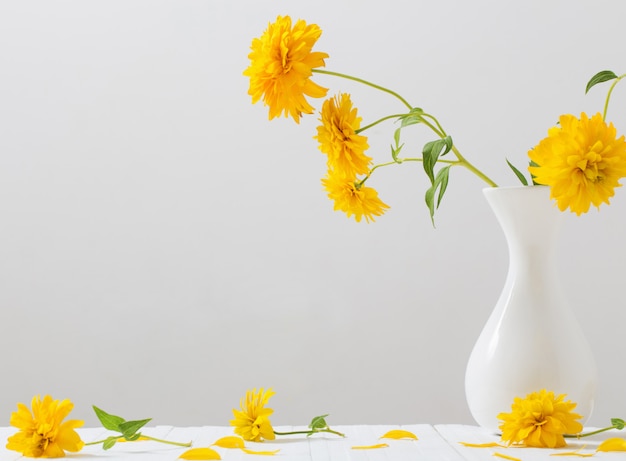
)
(230, 441)
(510, 458)
(370, 447)
(263, 453)
(399, 434)
(200, 453)
(613, 444)
(482, 445)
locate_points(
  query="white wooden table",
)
(435, 443)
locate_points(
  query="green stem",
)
(311, 432)
(587, 434)
(402, 160)
(439, 131)
(379, 121)
(178, 444)
(608, 96)
(365, 82)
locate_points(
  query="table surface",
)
(439, 442)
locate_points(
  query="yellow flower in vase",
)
(252, 420)
(581, 160)
(540, 420)
(43, 433)
(353, 198)
(339, 139)
(281, 63)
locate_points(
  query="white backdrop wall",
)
(163, 247)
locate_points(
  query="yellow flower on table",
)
(281, 63)
(353, 198)
(581, 160)
(43, 433)
(540, 420)
(252, 420)
(339, 139)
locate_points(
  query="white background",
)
(164, 247)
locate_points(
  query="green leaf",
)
(110, 422)
(518, 173)
(109, 442)
(132, 438)
(618, 423)
(431, 152)
(412, 118)
(319, 422)
(129, 428)
(395, 151)
(602, 76)
(441, 184)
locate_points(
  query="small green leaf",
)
(442, 181)
(431, 152)
(618, 423)
(602, 76)
(129, 428)
(319, 422)
(518, 173)
(110, 422)
(109, 442)
(441, 184)
(395, 151)
(412, 118)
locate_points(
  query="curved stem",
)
(143, 437)
(402, 160)
(365, 82)
(608, 96)
(311, 432)
(378, 121)
(439, 131)
(586, 434)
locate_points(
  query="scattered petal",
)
(399, 434)
(263, 453)
(370, 447)
(510, 458)
(200, 454)
(613, 444)
(482, 445)
(230, 441)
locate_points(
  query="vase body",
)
(532, 340)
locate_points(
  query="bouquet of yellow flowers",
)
(581, 159)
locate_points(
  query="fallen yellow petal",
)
(200, 453)
(230, 441)
(370, 447)
(482, 445)
(511, 458)
(613, 444)
(574, 453)
(263, 453)
(399, 434)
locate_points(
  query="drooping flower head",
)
(281, 63)
(42, 432)
(338, 138)
(352, 199)
(581, 160)
(252, 419)
(540, 420)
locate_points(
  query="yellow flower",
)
(42, 433)
(353, 199)
(281, 63)
(252, 420)
(581, 160)
(540, 420)
(338, 137)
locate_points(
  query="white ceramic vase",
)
(532, 340)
